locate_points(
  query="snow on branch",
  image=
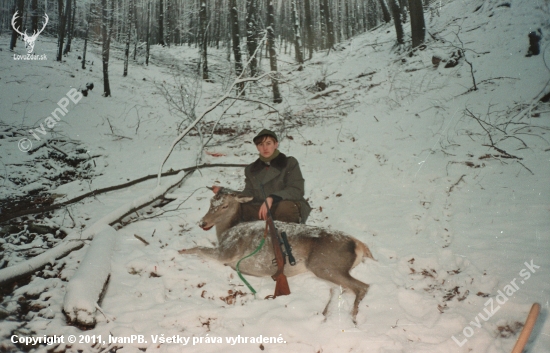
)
(199, 118)
(238, 81)
(76, 239)
(86, 286)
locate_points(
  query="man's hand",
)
(216, 189)
(263, 210)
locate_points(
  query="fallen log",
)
(86, 285)
(76, 239)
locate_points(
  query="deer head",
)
(29, 40)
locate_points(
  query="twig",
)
(455, 184)
(480, 124)
(255, 101)
(21, 213)
(101, 311)
(529, 170)
(119, 136)
(142, 240)
(57, 149)
(323, 94)
(110, 126)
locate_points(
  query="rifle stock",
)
(281, 285)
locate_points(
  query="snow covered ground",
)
(398, 155)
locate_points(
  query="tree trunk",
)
(272, 52)
(34, 15)
(128, 36)
(136, 32)
(309, 28)
(148, 39)
(61, 30)
(19, 6)
(234, 18)
(203, 40)
(161, 23)
(70, 24)
(168, 23)
(86, 39)
(330, 26)
(85, 287)
(106, 28)
(385, 11)
(297, 35)
(323, 23)
(418, 26)
(396, 14)
(252, 35)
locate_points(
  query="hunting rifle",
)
(281, 287)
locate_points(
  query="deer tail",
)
(362, 251)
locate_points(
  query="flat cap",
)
(265, 132)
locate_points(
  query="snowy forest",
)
(421, 128)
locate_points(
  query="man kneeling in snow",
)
(282, 181)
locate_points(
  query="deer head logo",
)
(29, 40)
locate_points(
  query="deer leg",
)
(212, 253)
(332, 261)
(325, 312)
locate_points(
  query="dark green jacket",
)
(282, 178)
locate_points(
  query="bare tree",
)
(168, 22)
(385, 11)
(234, 18)
(106, 29)
(323, 23)
(203, 41)
(330, 25)
(161, 23)
(61, 28)
(128, 36)
(70, 24)
(297, 34)
(272, 52)
(86, 38)
(34, 15)
(19, 6)
(309, 28)
(252, 34)
(148, 33)
(396, 14)
(418, 26)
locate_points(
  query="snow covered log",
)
(76, 239)
(86, 286)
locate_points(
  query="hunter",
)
(282, 180)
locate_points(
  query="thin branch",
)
(9, 216)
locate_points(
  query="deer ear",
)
(244, 199)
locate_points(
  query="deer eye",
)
(225, 206)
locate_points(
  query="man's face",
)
(267, 147)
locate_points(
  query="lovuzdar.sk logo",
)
(29, 40)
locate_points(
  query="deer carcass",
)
(330, 255)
